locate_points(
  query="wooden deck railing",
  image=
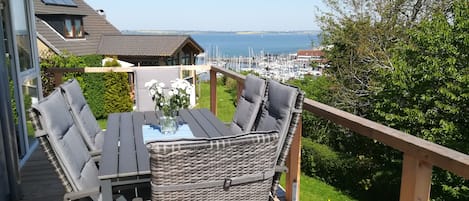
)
(419, 156)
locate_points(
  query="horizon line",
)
(247, 31)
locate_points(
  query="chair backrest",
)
(238, 167)
(249, 104)
(63, 145)
(281, 111)
(82, 114)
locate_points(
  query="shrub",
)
(112, 63)
(117, 95)
(93, 90)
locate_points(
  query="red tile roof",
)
(311, 53)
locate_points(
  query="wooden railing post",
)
(57, 78)
(294, 168)
(240, 89)
(416, 179)
(213, 92)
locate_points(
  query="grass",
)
(225, 106)
(102, 123)
(314, 189)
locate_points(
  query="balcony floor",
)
(39, 181)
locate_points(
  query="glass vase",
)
(168, 125)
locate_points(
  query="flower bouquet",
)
(169, 101)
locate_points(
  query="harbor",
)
(282, 67)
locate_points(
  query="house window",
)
(73, 27)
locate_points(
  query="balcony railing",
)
(419, 156)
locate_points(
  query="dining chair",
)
(66, 151)
(249, 104)
(238, 167)
(281, 111)
(86, 122)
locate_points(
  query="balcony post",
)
(294, 168)
(213, 92)
(57, 77)
(240, 89)
(416, 179)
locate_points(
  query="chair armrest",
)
(96, 157)
(81, 194)
(95, 153)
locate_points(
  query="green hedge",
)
(117, 95)
(359, 176)
(105, 92)
(93, 90)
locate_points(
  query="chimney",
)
(101, 12)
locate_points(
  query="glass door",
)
(24, 72)
(9, 170)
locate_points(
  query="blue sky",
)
(211, 15)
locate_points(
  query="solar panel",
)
(60, 2)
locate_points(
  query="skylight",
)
(60, 2)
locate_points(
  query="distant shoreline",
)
(177, 32)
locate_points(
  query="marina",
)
(282, 67)
(275, 55)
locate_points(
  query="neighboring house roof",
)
(311, 53)
(145, 45)
(94, 26)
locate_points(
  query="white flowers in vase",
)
(170, 100)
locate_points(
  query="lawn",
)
(314, 189)
(225, 106)
(102, 123)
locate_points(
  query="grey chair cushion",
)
(277, 110)
(82, 114)
(249, 104)
(59, 129)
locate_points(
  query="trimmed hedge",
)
(93, 90)
(358, 176)
(117, 95)
(105, 93)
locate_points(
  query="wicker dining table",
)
(125, 159)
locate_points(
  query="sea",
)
(248, 44)
(245, 43)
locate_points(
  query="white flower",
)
(188, 90)
(161, 84)
(152, 92)
(170, 93)
(160, 90)
(150, 83)
(175, 92)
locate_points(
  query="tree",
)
(427, 93)
(117, 90)
(362, 34)
(369, 56)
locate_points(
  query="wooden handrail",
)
(419, 155)
(435, 154)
